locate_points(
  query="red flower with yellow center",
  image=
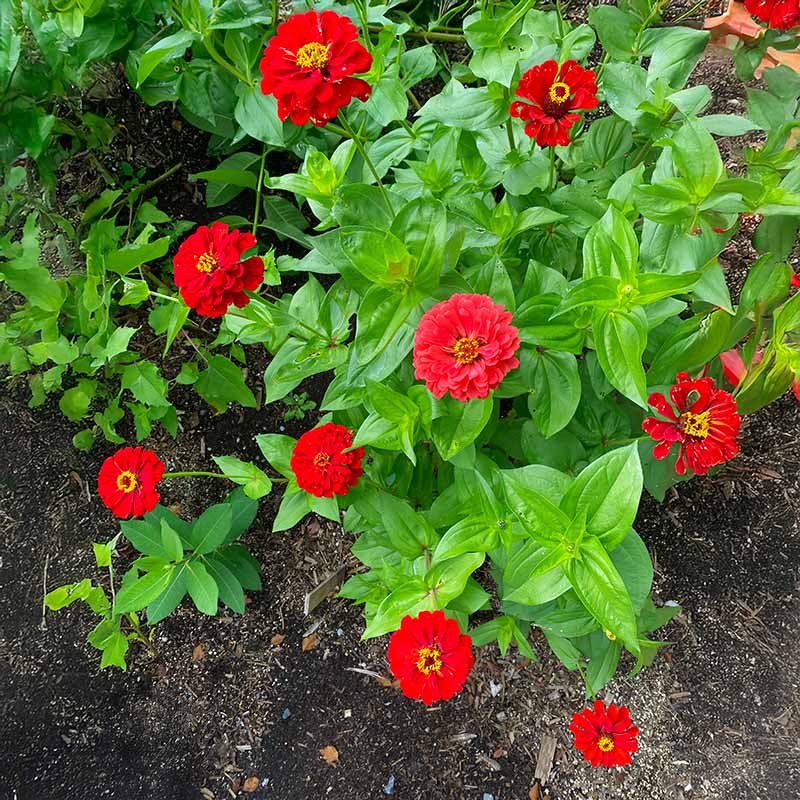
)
(127, 481)
(210, 273)
(308, 66)
(465, 345)
(430, 657)
(322, 463)
(605, 736)
(553, 95)
(704, 420)
(780, 14)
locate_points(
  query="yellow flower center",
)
(559, 92)
(610, 636)
(429, 659)
(206, 263)
(605, 743)
(695, 424)
(313, 55)
(322, 460)
(126, 482)
(466, 349)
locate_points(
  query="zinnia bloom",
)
(430, 657)
(605, 736)
(553, 96)
(780, 14)
(210, 272)
(127, 481)
(319, 462)
(308, 66)
(795, 281)
(704, 420)
(465, 346)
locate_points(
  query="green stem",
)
(510, 133)
(164, 296)
(363, 150)
(212, 51)
(553, 171)
(560, 20)
(414, 102)
(274, 13)
(264, 151)
(194, 474)
(428, 36)
(361, 8)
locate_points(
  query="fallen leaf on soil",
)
(176, 508)
(309, 642)
(388, 683)
(499, 753)
(533, 793)
(277, 638)
(251, 784)
(330, 754)
(199, 653)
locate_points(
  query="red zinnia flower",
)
(605, 736)
(706, 424)
(465, 346)
(553, 95)
(780, 14)
(430, 657)
(319, 462)
(308, 66)
(795, 281)
(210, 272)
(127, 481)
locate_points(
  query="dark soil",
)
(227, 699)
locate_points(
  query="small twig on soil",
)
(364, 672)
(43, 623)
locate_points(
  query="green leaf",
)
(468, 109)
(167, 48)
(535, 510)
(141, 592)
(697, 157)
(422, 225)
(257, 113)
(277, 449)
(202, 588)
(255, 481)
(170, 598)
(447, 579)
(611, 248)
(620, 338)
(602, 591)
(556, 390)
(107, 637)
(458, 425)
(608, 492)
(75, 402)
(171, 541)
(144, 381)
(530, 576)
(211, 528)
(242, 565)
(470, 535)
(145, 536)
(675, 53)
(222, 382)
(230, 589)
(125, 259)
(294, 506)
(635, 567)
(410, 598)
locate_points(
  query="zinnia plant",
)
(779, 14)
(324, 461)
(309, 67)
(127, 481)
(605, 735)
(702, 419)
(211, 273)
(430, 657)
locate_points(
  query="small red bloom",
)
(308, 66)
(127, 481)
(780, 14)
(319, 462)
(605, 736)
(430, 657)
(465, 346)
(795, 281)
(706, 424)
(210, 272)
(554, 94)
